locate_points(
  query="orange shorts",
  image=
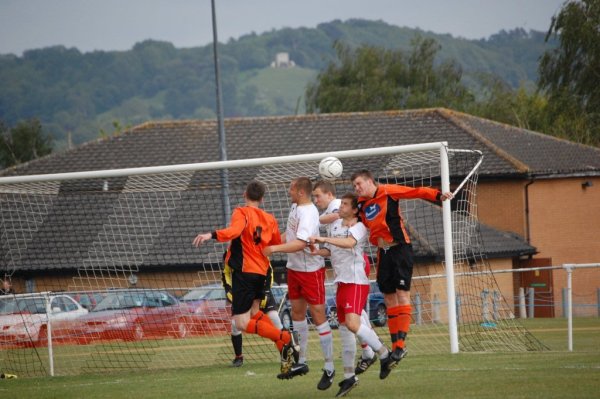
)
(350, 298)
(307, 285)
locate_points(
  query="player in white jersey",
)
(344, 244)
(306, 279)
(324, 197)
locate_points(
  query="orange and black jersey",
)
(382, 215)
(251, 229)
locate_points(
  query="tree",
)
(570, 73)
(22, 143)
(372, 78)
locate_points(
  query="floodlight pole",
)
(222, 142)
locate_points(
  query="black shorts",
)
(394, 268)
(246, 287)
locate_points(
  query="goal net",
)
(107, 277)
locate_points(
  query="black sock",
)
(236, 340)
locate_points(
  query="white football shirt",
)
(348, 263)
(333, 207)
(302, 223)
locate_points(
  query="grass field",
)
(552, 374)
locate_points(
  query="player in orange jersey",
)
(250, 231)
(380, 212)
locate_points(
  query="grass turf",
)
(551, 374)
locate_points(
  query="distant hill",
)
(85, 93)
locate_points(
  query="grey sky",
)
(119, 24)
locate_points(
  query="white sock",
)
(326, 338)
(367, 352)
(368, 336)
(348, 350)
(274, 316)
(234, 329)
(302, 328)
(364, 319)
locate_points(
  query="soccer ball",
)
(330, 168)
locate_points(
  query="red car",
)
(133, 315)
(209, 308)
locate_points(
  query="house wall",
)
(564, 225)
(502, 205)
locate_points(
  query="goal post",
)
(127, 290)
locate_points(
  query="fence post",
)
(598, 295)
(531, 303)
(564, 302)
(436, 309)
(522, 307)
(495, 301)
(569, 269)
(49, 333)
(485, 312)
(458, 303)
(418, 303)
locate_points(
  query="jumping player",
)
(344, 244)
(324, 197)
(380, 212)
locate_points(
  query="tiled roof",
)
(509, 152)
(540, 154)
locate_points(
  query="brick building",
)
(538, 196)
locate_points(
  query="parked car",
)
(376, 306)
(135, 314)
(285, 306)
(209, 309)
(24, 318)
(88, 299)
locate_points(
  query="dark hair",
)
(325, 186)
(353, 199)
(364, 173)
(255, 190)
(303, 184)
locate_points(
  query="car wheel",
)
(180, 329)
(286, 320)
(333, 318)
(381, 316)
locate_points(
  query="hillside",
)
(85, 93)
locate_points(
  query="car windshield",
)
(120, 300)
(25, 305)
(204, 293)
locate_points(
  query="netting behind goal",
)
(108, 279)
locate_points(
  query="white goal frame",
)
(442, 147)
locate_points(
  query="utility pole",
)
(221, 124)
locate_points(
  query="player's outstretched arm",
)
(288, 247)
(346, 242)
(446, 196)
(201, 238)
(329, 218)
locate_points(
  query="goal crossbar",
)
(230, 164)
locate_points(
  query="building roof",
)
(508, 151)
(68, 237)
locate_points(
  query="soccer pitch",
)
(552, 374)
